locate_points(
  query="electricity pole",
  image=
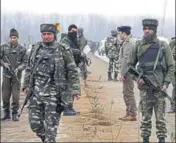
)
(164, 15)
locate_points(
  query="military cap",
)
(80, 30)
(124, 29)
(13, 32)
(48, 28)
(114, 32)
(150, 22)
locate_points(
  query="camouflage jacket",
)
(112, 47)
(75, 49)
(125, 49)
(54, 72)
(162, 77)
(16, 57)
(82, 42)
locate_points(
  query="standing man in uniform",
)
(172, 45)
(53, 66)
(12, 58)
(112, 52)
(82, 43)
(127, 45)
(71, 41)
(159, 68)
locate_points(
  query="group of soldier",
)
(51, 80)
(151, 57)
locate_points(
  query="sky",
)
(103, 7)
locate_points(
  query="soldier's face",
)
(121, 35)
(148, 31)
(13, 40)
(47, 37)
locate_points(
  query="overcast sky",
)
(104, 7)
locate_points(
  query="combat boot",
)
(68, 112)
(6, 115)
(115, 76)
(161, 140)
(109, 76)
(73, 110)
(128, 118)
(146, 140)
(15, 117)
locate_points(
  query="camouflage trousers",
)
(44, 117)
(10, 87)
(150, 101)
(113, 65)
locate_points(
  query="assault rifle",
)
(31, 85)
(10, 68)
(149, 82)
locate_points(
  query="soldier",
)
(71, 41)
(55, 68)
(82, 43)
(112, 52)
(154, 60)
(172, 42)
(81, 39)
(63, 35)
(128, 86)
(12, 58)
(172, 46)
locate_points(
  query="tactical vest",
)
(152, 59)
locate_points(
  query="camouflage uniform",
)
(161, 73)
(172, 46)
(112, 52)
(10, 85)
(128, 84)
(82, 43)
(54, 71)
(70, 111)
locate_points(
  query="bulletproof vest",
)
(148, 59)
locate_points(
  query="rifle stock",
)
(149, 83)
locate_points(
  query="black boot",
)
(115, 76)
(161, 140)
(73, 110)
(146, 140)
(68, 112)
(6, 115)
(15, 117)
(109, 76)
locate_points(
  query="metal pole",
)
(164, 15)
